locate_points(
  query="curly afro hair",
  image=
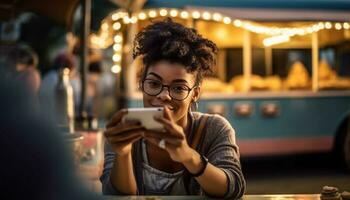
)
(175, 43)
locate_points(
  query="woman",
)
(143, 162)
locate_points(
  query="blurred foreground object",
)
(36, 163)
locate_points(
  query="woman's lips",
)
(169, 107)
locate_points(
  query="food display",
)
(329, 80)
(211, 84)
(256, 83)
(298, 77)
(273, 83)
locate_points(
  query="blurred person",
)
(93, 88)
(50, 81)
(35, 163)
(144, 162)
(23, 62)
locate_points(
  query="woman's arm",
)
(118, 176)
(213, 180)
(122, 175)
(223, 176)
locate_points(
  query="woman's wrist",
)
(194, 163)
(122, 157)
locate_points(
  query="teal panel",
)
(298, 117)
(278, 4)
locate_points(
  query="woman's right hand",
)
(121, 135)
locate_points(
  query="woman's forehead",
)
(170, 71)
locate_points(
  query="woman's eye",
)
(153, 83)
(179, 88)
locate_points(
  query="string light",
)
(184, 14)
(196, 15)
(174, 13)
(217, 17)
(328, 25)
(116, 58)
(163, 12)
(275, 40)
(115, 17)
(117, 47)
(118, 39)
(338, 26)
(126, 20)
(152, 14)
(321, 25)
(256, 28)
(142, 16)
(116, 69)
(206, 16)
(237, 23)
(133, 19)
(102, 38)
(227, 20)
(117, 26)
(104, 26)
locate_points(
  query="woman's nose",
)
(164, 94)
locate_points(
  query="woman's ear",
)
(196, 93)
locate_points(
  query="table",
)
(246, 197)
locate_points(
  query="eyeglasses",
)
(176, 91)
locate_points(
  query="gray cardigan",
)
(218, 144)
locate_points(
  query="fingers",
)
(154, 141)
(130, 140)
(170, 127)
(117, 117)
(121, 128)
(167, 114)
(125, 136)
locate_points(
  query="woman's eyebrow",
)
(156, 75)
(159, 77)
(179, 81)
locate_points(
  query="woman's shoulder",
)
(217, 131)
(214, 121)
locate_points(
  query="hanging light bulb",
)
(237, 23)
(174, 13)
(152, 14)
(117, 47)
(116, 68)
(118, 39)
(184, 14)
(206, 16)
(217, 17)
(227, 20)
(142, 16)
(196, 15)
(117, 26)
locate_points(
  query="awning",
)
(336, 5)
(269, 14)
(60, 11)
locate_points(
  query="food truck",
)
(282, 77)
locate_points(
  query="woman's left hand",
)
(174, 136)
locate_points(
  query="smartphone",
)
(145, 116)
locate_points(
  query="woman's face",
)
(171, 74)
